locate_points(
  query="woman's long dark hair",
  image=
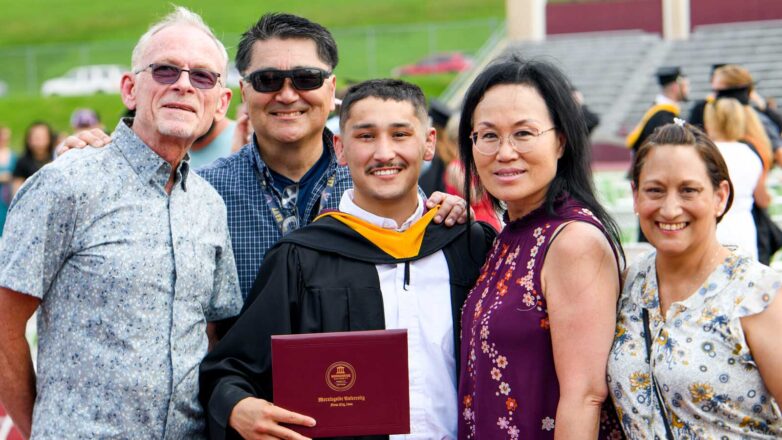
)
(574, 172)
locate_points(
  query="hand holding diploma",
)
(258, 419)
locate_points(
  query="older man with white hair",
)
(126, 255)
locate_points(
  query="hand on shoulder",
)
(453, 209)
(94, 138)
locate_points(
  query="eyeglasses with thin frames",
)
(522, 141)
(168, 74)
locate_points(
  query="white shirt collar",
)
(662, 99)
(347, 206)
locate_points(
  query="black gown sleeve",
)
(657, 120)
(696, 115)
(240, 364)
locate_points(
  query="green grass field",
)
(41, 39)
(47, 21)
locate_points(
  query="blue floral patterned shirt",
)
(253, 227)
(128, 277)
(705, 372)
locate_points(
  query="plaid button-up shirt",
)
(251, 224)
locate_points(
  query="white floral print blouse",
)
(708, 380)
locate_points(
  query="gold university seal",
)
(340, 376)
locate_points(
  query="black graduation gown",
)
(696, 114)
(659, 119)
(321, 278)
(591, 119)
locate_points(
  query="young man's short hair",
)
(385, 89)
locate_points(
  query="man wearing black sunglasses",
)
(127, 256)
(288, 173)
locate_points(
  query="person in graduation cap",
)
(674, 88)
(377, 263)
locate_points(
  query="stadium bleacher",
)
(754, 45)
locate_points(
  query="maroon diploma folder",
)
(351, 383)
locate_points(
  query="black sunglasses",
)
(272, 80)
(168, 74)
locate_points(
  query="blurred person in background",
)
(85, 119)
(674, 89)
(217, 142)
(433, 173)
(734, 81)
(243, 133)
(39, 141)
(7, 164)
(591, 119)
(538, 325)
(771, 104)
(698, 107)
(697, 352)
(771, 118)
(454, 177)
(332, 123)
(725, 121)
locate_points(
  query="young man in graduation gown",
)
(379, 262)
(674, 87)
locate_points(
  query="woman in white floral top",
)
(714, 319)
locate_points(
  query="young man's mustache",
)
(374, 167)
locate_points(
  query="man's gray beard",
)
(177, 132)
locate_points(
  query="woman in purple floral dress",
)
(538, 325)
